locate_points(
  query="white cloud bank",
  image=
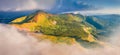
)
(19, 5)
(13, 42)
(97, 12)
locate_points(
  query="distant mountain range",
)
(7, 16)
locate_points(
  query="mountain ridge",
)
(68, 27)
(40, 20)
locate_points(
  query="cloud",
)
(45, 4)
(18, 5)
(14, 42)
(114, 37)
(97, 12)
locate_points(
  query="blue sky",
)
(61, 5)
(104, 3)
(80, 5)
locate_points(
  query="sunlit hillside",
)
(63, 27)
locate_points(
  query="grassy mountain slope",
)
(63, 25)
(67, 28)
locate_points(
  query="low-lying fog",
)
(14, 42)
